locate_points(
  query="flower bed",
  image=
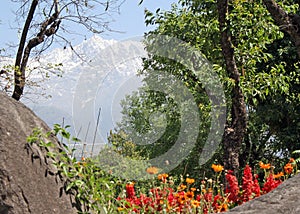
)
(211, 196)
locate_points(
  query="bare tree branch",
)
(48, 28)
(43, 21)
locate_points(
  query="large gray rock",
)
(28, 181)
(284, 199)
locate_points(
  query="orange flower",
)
(190, 180)
(288, 168)
(264, 166)
(217, 167)
(120, 209)
(181, 187)
(193, 189)
(190, 195)
(278, 175)
(292, 160)
(152, 170)
(223, 207)
(195, 203)
(161, 201)
(181, 198)
(162, 177)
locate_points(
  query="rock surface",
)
(284, 199)
(27, 184)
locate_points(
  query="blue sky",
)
(130, 21)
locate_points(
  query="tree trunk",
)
(19, 75)
(289, 23)
(236, 127)
(48, 28)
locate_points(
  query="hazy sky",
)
(130, 21)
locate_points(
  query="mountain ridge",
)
(108, 64)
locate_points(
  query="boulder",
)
(284, 199)
(29, 183)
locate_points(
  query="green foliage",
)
(95, 190)
(6, 78)
(122, 145)
(268, 65)
(147, 114)
(297, 152)
(269, 69)
(274, 117)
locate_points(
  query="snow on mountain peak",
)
(84, 52)
(95, 42)
(93, 79)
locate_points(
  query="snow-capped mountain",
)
(96, 75)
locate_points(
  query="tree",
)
(274, 125)
(43, 21)
(252, 74)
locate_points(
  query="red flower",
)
(130, 190)
(270, 184)
(256, 187)
(171, 198)
(208, 196)
(233, 188)
(217, 200)
(247, 184)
